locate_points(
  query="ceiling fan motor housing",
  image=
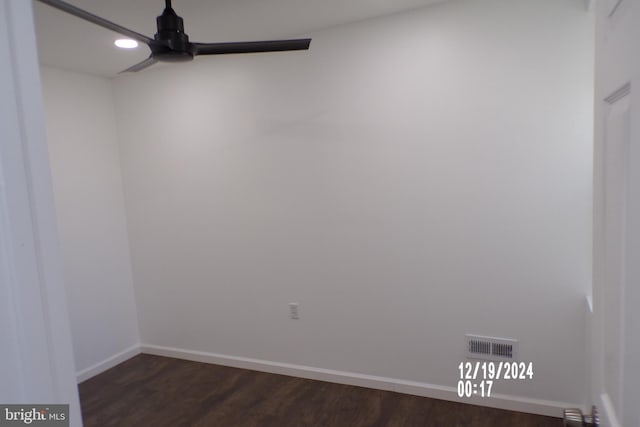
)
(175, 45)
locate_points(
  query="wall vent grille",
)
(489, 348)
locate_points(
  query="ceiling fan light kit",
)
(126, 43)
(171, 43)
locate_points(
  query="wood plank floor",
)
(158, 391)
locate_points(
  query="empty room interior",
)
(414, 187)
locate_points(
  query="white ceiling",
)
(71, 43)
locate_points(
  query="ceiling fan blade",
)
(140, 65)
(249, 47)
(83, 14)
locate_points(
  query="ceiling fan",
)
(171, 44)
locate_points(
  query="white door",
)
(36, 360)
(616, 293)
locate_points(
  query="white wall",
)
(88, 191)
(408, 180)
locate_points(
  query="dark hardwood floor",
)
(158, 391)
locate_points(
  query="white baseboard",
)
(109, 363)
(500, 401)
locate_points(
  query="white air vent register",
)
(489, 348)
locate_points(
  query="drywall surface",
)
(82, 137)
(408, 180)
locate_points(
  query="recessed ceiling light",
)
(126, 43)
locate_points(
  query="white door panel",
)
(612, 6)
(616, 144)
(616, 327)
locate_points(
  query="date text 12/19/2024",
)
(476, 378)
